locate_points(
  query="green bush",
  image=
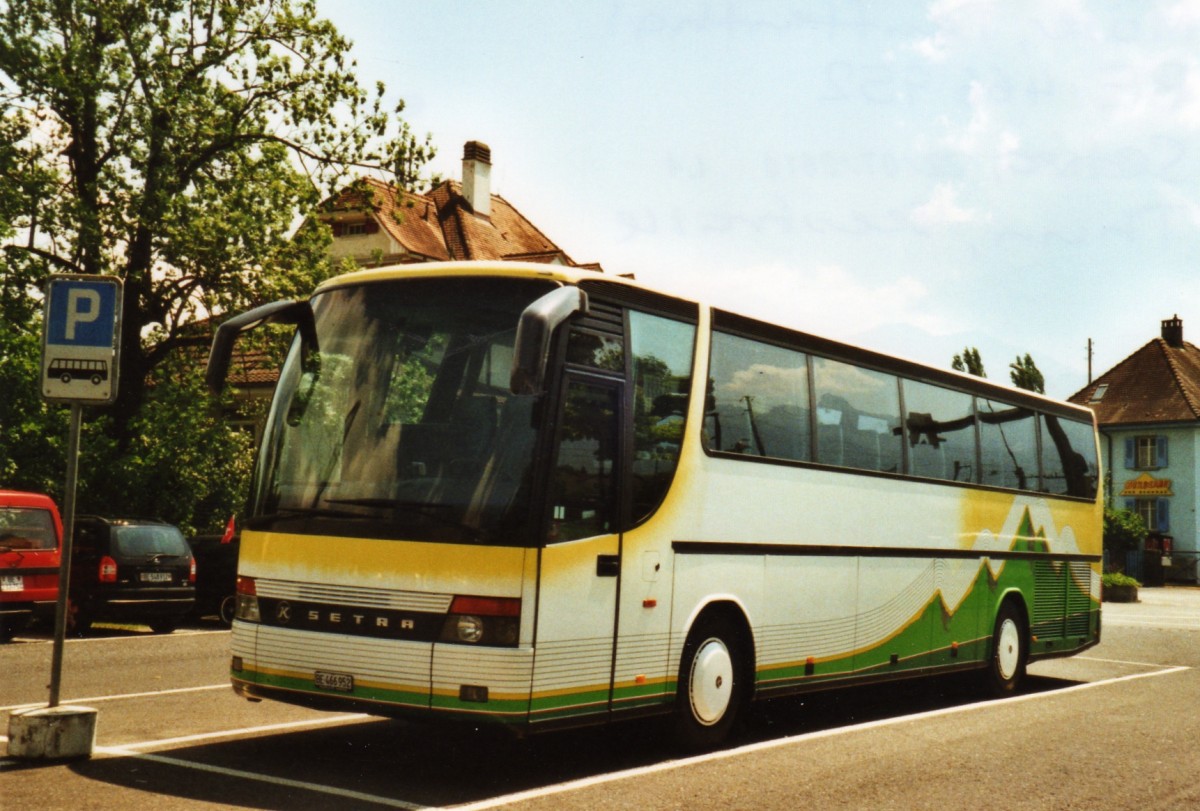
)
(1118, 579)
(1124, 531)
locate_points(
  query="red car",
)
(30, 554)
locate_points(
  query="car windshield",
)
(26, 528)
(135, 541)
(401, 425)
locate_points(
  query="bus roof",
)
(529, 270)
(784, 334)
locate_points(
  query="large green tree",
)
(1025, 374)
(176, 145)
(969, 362)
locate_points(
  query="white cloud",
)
(932, 48)
(942, 208)
(1157, 91)
(980, 136)
(991, 17)
(827, 300)
(1181, 201)
(1183, 13)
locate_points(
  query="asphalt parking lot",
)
(1112, 728)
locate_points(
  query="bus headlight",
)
(492, 621)
(469, 628)
(247, 600)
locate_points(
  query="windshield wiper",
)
(417, 507)
(254, 522)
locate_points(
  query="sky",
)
(912, 177)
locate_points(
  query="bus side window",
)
(662, 376)
(940, 427)
(758, 402)
(1068, 457)
(869, 406)
(583, 489)
(1008, 439)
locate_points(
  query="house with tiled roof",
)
(1148, 411)
(376, 223)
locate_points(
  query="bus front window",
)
(403, 426)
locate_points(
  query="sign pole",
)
(64, 570)
(81, 349)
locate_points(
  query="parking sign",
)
(81, 339)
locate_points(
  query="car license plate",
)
(12, 582)
(156, 577)
(342, 682)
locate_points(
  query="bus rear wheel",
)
(712, 685)
(1010, 651)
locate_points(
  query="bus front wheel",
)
(1006, 668)
(711, 684)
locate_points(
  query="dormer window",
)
(355, 229)
(1099, 393)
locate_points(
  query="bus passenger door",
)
(580, 560)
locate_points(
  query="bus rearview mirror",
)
(281, 312)
(534, 332)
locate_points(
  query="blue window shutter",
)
(1164, 515)
(1131, 504)
(1130, 450)
(1160, 446)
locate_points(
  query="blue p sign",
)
(80, 342)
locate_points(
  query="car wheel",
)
(227, 610)
(79, 622)
(164, 626)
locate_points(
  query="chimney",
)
(1172, 331)
(477, 177)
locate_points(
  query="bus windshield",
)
(399, 424)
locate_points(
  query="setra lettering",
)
(318, 617)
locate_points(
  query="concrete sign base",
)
(52, 733)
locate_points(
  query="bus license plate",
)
(342, 682)
(12, 582)
(156, 577)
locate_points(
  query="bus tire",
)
(712, 684)
(1010, 651)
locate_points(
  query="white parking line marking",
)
(562, 788)
(85, 640)
(95, 699)
(1119, 661)
(208, 736)
(345, 794)
(130, 750)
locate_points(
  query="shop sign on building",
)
(1146, 486)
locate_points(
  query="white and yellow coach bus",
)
(541, 496)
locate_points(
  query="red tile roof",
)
(441, 225)
(1158, 383)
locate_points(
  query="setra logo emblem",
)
(283, 612)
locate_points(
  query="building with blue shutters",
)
(1148, 411)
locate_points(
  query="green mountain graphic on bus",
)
(69, 369)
